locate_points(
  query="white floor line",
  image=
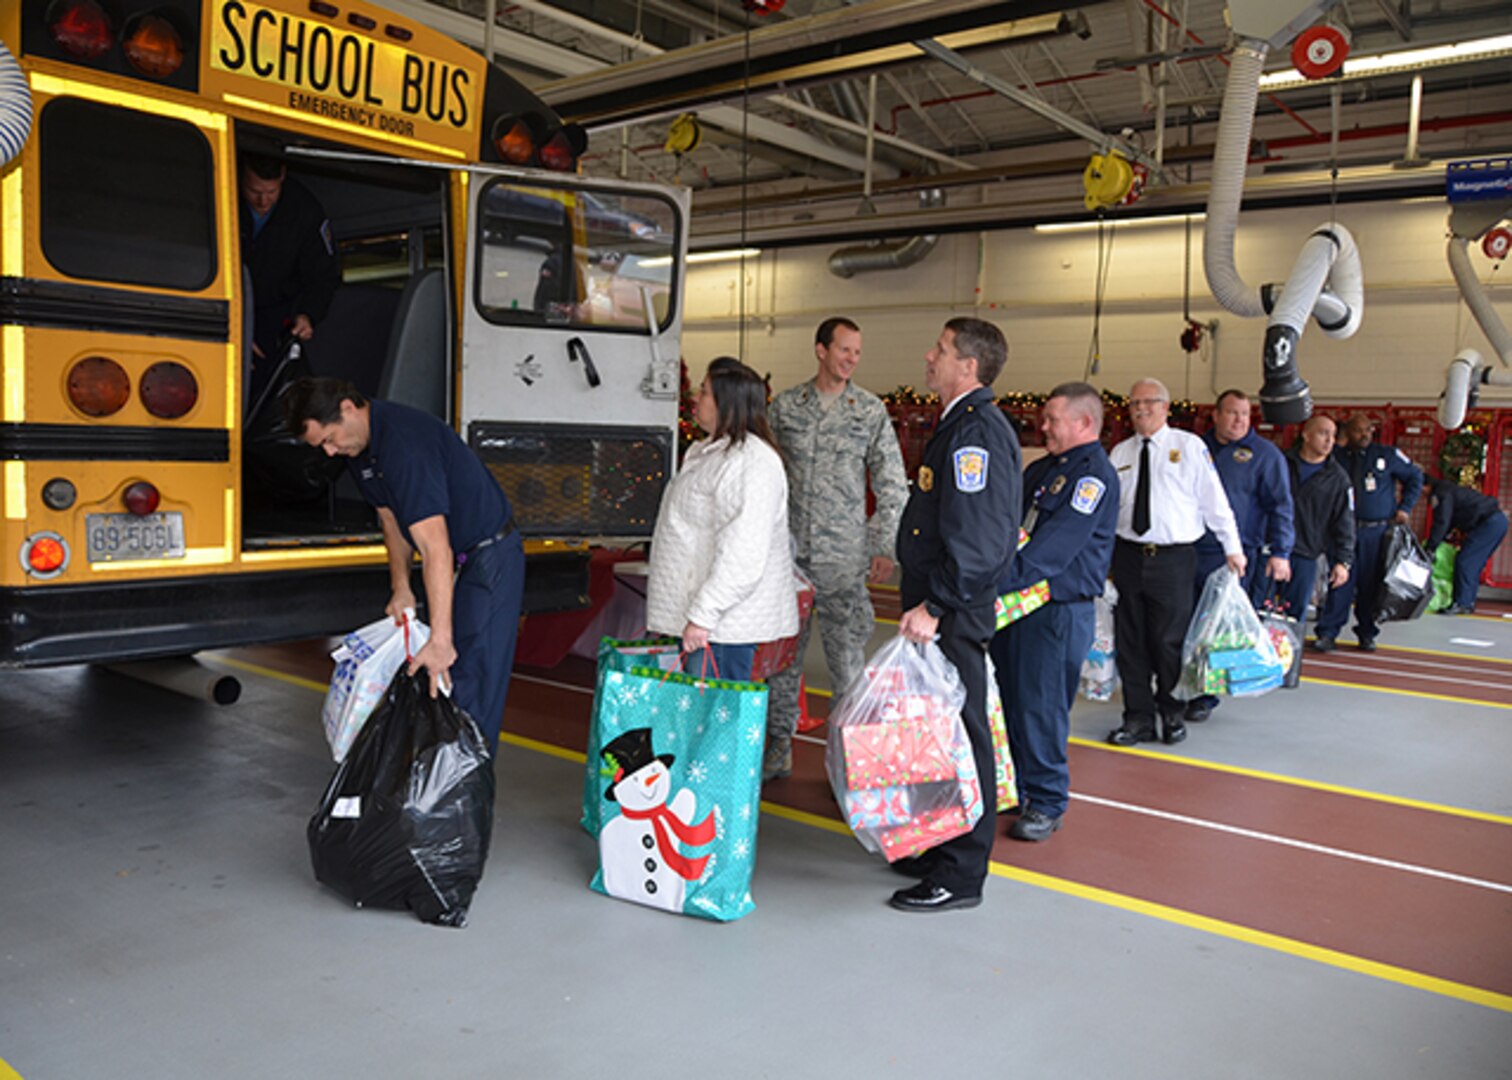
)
(1314, 664)
(1286, 841)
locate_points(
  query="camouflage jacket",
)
(829, 455)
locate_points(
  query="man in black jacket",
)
(288, 248)
(1482, 524)
(1323, 498)
(955, 543)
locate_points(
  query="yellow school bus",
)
(152, 504)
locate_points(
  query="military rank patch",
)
(926, 478)
(1089, 492)
(970, 469)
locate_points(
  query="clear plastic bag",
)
(1227, 652)
(1286, 637)
(898, 756)
(1099, 673)
(365, 665)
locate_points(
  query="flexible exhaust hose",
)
(1460, 385)
(1476, 299)
(15, 107)
(1325, 282)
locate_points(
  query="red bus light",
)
(516, 137)
(141, 498)
(562, 149)
(98, 386)
(153, 46)
(45, 554)
(81, 27)
(169, 390)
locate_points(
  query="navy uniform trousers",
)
(485, 624)
(1363, 587)
(960, 865)
(1480, 544)
(1039, 661)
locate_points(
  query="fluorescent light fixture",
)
(1392, 63)
(703, 257)
(1122, 223)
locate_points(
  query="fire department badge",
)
(926, 478)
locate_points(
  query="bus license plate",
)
(118, 537)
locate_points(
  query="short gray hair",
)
(1165, 395)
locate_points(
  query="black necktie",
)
(1142, 492)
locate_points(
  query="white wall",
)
(1039, 288)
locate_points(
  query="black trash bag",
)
(276, 464)
(405, 821)
(1406, 577)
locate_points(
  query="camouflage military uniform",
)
(829, 454)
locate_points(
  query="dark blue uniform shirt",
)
(960, 527)
(1374, 471)
(417, 467)
(1255, 478)
(1071, 512)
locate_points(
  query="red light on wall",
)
(81, 27)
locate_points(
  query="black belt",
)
(1149, 551)
(488, 541)
(1371, 524)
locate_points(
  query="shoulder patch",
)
(1089, 492)
(1403, 456)
(326, 237)
(971, 469)
(1351, 498)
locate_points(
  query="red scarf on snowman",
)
(663, 819)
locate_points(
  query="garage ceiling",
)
(784, 156)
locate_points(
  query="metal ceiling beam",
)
(1397, 20)
(509, 45)
(806, 50)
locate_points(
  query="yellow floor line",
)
(1274, 942)
(1439, 652)
(1106, 897)
(1294, 781)
(1405, 693)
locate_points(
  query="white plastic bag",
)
(1099, 673)
(898, 756)
(365, 665)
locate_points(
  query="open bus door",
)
(569, 379)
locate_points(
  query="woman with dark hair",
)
(721, 562)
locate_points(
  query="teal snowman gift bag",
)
(680, 791)
(664, 654)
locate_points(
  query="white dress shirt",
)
(1186, 495)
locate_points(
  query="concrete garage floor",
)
(161, 920)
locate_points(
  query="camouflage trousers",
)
(844, 614)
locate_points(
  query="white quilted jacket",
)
(720, 556)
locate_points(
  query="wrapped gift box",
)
(875, 808)
(924, 832)
(901, 751)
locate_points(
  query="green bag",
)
(663, 653)
(1443, 576)
(679, 790)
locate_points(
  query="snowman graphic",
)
(639, 849)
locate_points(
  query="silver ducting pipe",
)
(847, 262)
(1477, 301)
(15, 107)
(1325, 283)
(1467, 373)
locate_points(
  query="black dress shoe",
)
(1324, 644)
(915, 866)
(1457, 609)
(927, 896)
(1034, 826)
(1366, 645)
(1197, 711)
(1129, 736)
(1175, 731)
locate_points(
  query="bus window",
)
(576, 259)
(126, 196)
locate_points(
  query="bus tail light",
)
(516, 138)
(98, 386)
(169, 390)
(81, 27)
(562, 149)
(44, 555)
(141, 498)
(153, 46)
